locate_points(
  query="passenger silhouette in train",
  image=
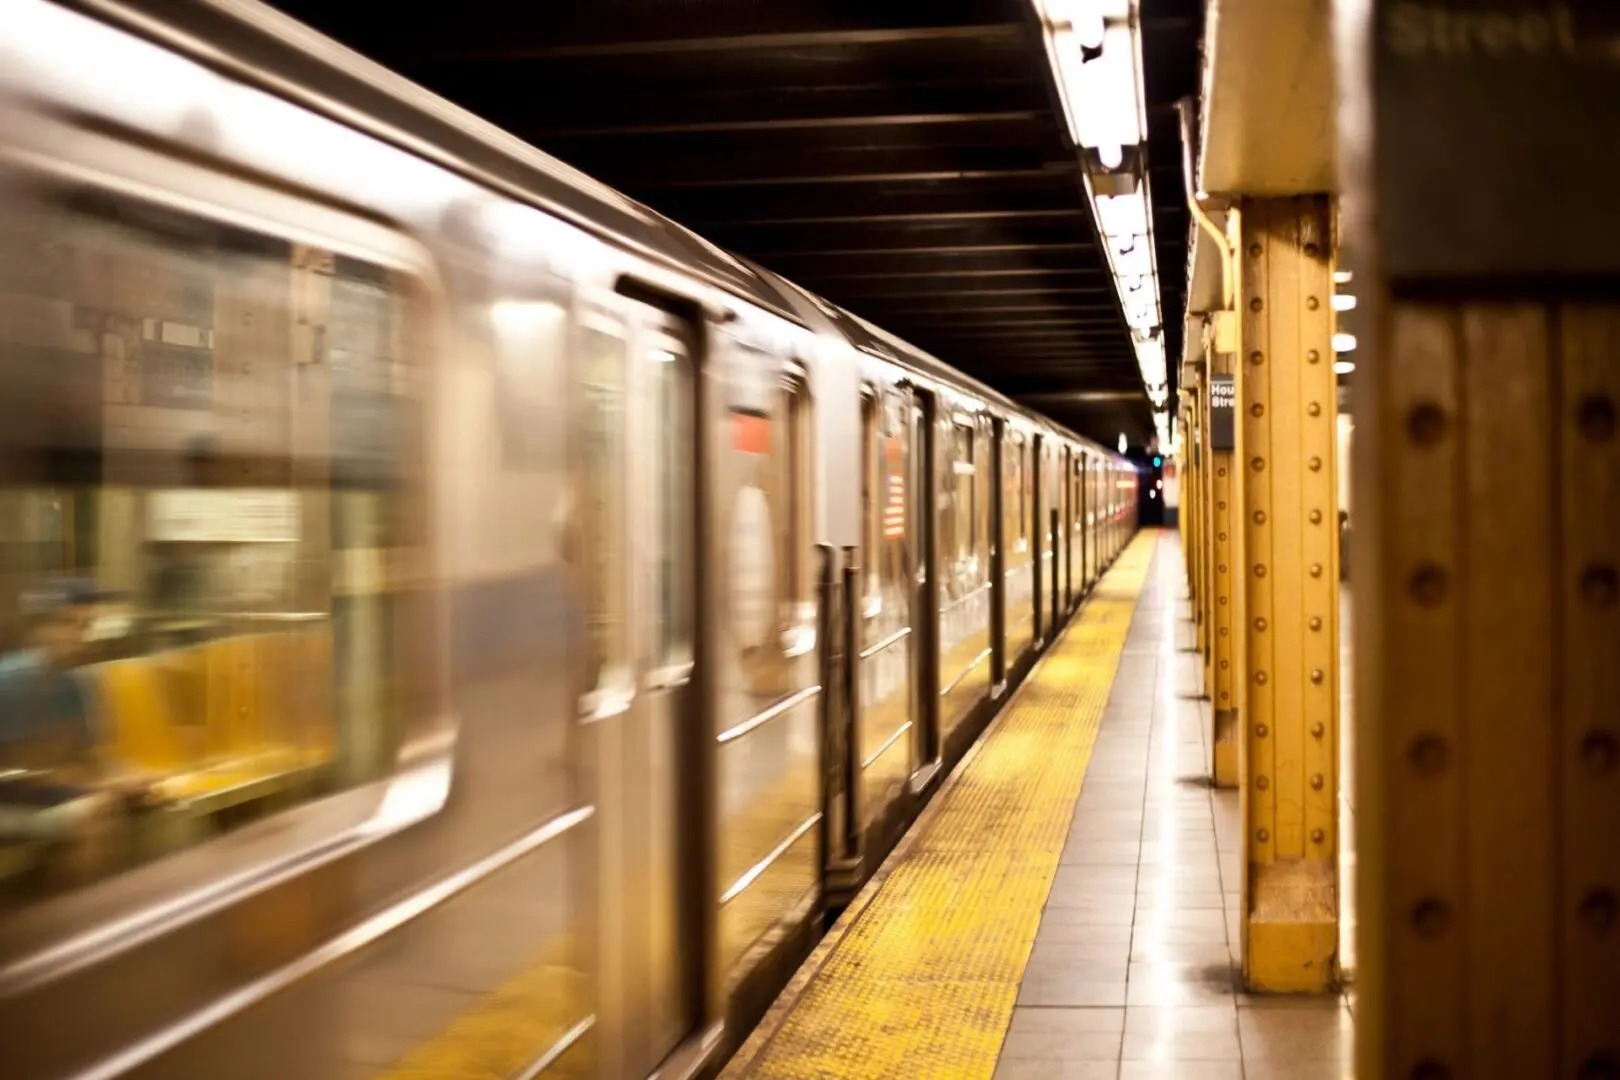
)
(46, 721)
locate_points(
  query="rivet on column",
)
(1257, 357)
(1312, 303)
(1595, 417)
(1260, 677)
(1313, 356)
(1426, 423)
(1314, 409)
(1317, 782)
(1260, 624)
(1599, 586)
(1262, 835)
(1597, 911)
(1316, 464)
(1431, 917)
(1256, 305)
(1599, 752)
(1428, 585)
(1316, 622)
(1260, 571)
(1257, 410)
(1600, 1066)
(1316, 517)
(1316, 569)
(1261, 731)
(1318, 730)
(1259, 517)
(1316, 675)
(1317, 836)
(1258, 464)
(1428, 754)
(1262, 783)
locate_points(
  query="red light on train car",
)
(750, 434)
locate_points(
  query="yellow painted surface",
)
(923, 982)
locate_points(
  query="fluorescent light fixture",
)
(1094, 50)
(1343, 367)
(1123, 445)
(1131, 255)
(1122, 215)
(1341, 277)
(1344, 302)
(1343, 343)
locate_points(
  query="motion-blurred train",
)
(455, 622)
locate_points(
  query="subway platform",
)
(1069, 906)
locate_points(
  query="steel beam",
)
(1486, 560)
(1286, 404)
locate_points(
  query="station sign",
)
(1222, 412)
(1495, 150)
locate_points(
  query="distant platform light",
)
(1344, 302)
(1341, 277)
(1123, 445)
(1343, 367)
(1343, 343)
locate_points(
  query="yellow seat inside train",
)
(211, 718)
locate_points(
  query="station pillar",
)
(1285, 564)
(1481, 226)
(1224, 545)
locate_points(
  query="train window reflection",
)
(207, 465)
(671, 499)
(603, 487)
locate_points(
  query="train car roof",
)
(264, 47)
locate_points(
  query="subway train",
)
(454, 622)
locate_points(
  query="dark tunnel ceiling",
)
(903, 159)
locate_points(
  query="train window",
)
(672, 504)
(209, 467)
(602, 360)
(886, 499)
(773, 623)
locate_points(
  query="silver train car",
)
(453, 622)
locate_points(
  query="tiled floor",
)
(1133, 973)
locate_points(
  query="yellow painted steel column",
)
(1286, 404)
(1195, 536)
(1225, 575)
(1206, 534)
(1487, 551)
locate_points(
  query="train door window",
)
(603, 356)
(773, 626)
(210, 444)
(667, 374)
(967, 520)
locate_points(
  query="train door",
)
(925, 595)
(1054, 535)
(885, 660)
(1040, 541)
(1077, 484)
(1066, 525)
(639, 461)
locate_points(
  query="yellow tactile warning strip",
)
(921, 979)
